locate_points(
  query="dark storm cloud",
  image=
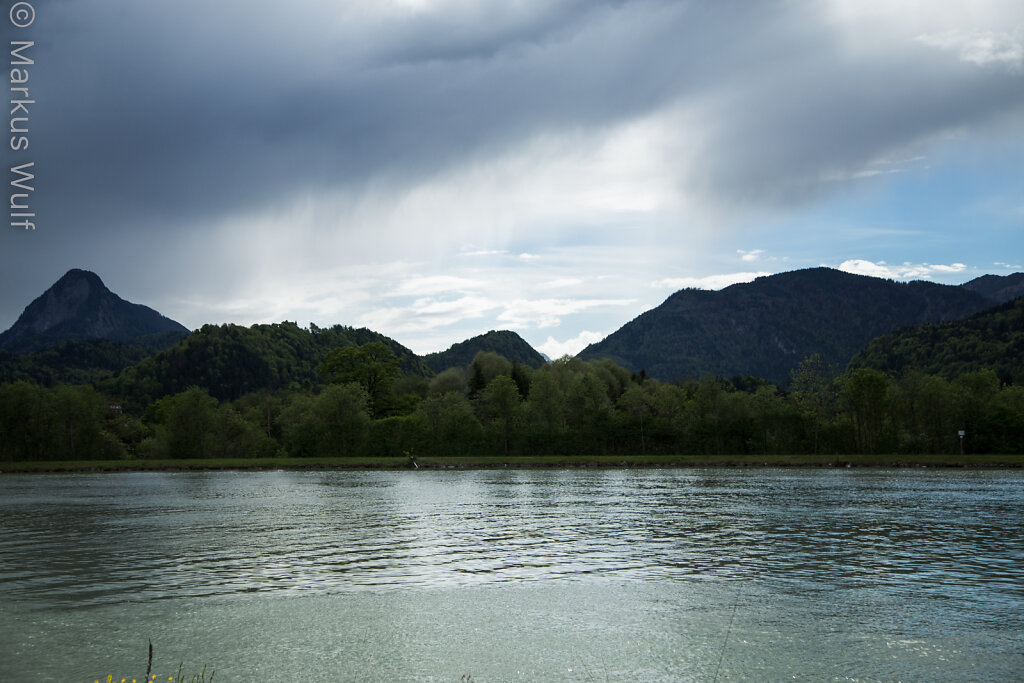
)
(153, 114)
(187, 110)
(182, 111)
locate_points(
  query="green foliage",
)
(488, 365)
(343, 421)
(229, 361)
(866, 395)
(372, 366)
(993, 339)
(476, 382)
(923, 408)
(570, 408)
(449, 425)
(545, 411)
(334, 423)
(588, 412)
(452, 379)
(236, 435)
(187, 422)
(813, 386)
(73, 362)
(522, 375)
(61, 423)
(637, 401)
(500, 403)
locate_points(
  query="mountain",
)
(998, 288)
(80, 307)
(505, 343)
(230, 360)
(766, 327)
(993, 339)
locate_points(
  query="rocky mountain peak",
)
(79, 306)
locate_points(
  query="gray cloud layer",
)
(185, 109)
(162, 117)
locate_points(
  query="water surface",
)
(516, 575)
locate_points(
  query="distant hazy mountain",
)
(766, 327)
(503, 342)
(998, 288)
(992, 339)
(80, 307)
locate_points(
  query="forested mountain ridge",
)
(503, 342)
(230, 360)
(998, 288)
(766, 327)
(992, 339)
(80, 307)
(763, 328)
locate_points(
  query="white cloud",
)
(752, 255)
(435, 284)
(425, 314)
(1008, 266)
(707, 282)
(554, 349)
(483, 252)
(983, 48)
(561, 283)
(325, 296)
(952, 267)
(906, 271)
(542, 313)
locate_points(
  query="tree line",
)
(368, 407)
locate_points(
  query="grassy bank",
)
(501, 462)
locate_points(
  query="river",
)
(515, 575)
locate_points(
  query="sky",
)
(434, 169)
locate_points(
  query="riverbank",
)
(514, 462)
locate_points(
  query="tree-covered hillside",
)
(993, 339)
(765, 327)
(504, 343)
(229, 361)
(73, 362)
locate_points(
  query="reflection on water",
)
(861, 573)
